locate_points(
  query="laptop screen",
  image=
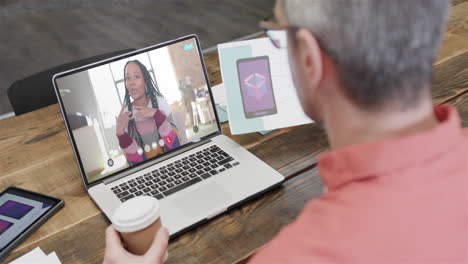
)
(137, 108)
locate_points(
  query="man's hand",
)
(115, 253)
(122, 121)
(144, 111)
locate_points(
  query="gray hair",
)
(383, 49)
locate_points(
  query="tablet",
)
(21, 213)
(256, 87)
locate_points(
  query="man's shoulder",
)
(465, 134)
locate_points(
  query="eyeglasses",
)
(275, 32)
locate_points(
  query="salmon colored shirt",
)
(401, 200)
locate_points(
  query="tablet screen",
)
(19, 210)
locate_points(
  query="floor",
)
(37, 35)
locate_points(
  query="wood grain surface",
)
(456, 2)
(36, 155)
(450, 79)
(461, 102)
(455, 39)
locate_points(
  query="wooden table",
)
(36, 155)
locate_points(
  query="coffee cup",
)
(138, 221)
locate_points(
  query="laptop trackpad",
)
(202, 200)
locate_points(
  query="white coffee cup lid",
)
(136, 214)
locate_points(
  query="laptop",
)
(145, 123)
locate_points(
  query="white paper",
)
(287, 102)
(289, 109)
(219, 95)
(53, 259)
(30, 257)
(37, 256)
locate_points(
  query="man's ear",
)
(309, 56)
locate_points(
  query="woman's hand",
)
(122, 121)
(115, 253)
(144, 111)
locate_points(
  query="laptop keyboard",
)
(177, 175)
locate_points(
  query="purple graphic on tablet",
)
(256, 85)
(14, 209)
(256, 88)
(4, 225)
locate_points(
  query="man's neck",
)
(349, 125)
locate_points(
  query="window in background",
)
(165, 75)
(106, 96)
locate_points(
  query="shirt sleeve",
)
(167, 130)
(130, 148)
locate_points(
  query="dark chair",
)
(37, 91)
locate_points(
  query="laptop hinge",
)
(159, 160)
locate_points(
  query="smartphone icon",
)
(256, 88)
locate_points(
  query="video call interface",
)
(137, 108)
(17, 212)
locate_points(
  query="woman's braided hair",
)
(151, 91)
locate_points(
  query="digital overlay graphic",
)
(256, 85)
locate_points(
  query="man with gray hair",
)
(397, 174)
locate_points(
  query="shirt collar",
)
(356, 162)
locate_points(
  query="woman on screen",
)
(145, 126)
